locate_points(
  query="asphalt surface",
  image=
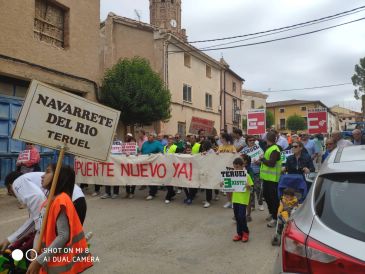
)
(139, 236)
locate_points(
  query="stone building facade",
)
(192, 77)
(231, 103)
(56, 42)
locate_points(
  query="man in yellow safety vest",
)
(270, 172)
(195, 149)
(170, 148)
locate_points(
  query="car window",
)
(339, 203)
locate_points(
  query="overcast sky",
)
(324, 58)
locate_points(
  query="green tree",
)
(269, 119)
(358, 80)
(296, 122)
(132, 87)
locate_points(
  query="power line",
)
(261, 32)
(318, 87)
(276, 32)
(278, 39)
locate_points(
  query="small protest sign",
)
(256, 121)
(116, 149)
(254, 152)
(24, 156)
(234, 180)
(129, 148)
(51, 117)
(285, 154)
(317, 121)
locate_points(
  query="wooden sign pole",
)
(50, 196)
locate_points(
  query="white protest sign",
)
(129, 148)
(50, 117)
(24, 156)
(285, 154)
(116, 149)
(234, 180)
(254, 152)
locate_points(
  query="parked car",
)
(327, 233)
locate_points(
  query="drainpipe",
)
(224, 100)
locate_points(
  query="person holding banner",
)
(63, 230)
(196, 148)
(28, 159)
(170, 148)
(129, 139)
(227, 147)
(207, 149)
(270, 172)
(238, 140)
(108, 189)
(151, 146)
(240, 202)
(251, 144)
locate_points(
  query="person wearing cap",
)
(151, 146)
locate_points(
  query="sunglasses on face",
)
(295, 146)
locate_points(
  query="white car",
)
(327, 233)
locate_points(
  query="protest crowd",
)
(264, 158)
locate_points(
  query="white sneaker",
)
(167, 201)
(206, 205)
(105, 196)
(178, 191)
(114, 196)
(261, 208)
(227, 205)
(95, 194)
(272, 223)
(149, 197)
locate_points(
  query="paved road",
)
(138, 236)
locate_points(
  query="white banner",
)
(156, 169)
(254, 152)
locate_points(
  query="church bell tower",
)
(166, 14)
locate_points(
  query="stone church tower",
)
(166, 14)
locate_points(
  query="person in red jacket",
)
(28, 159)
